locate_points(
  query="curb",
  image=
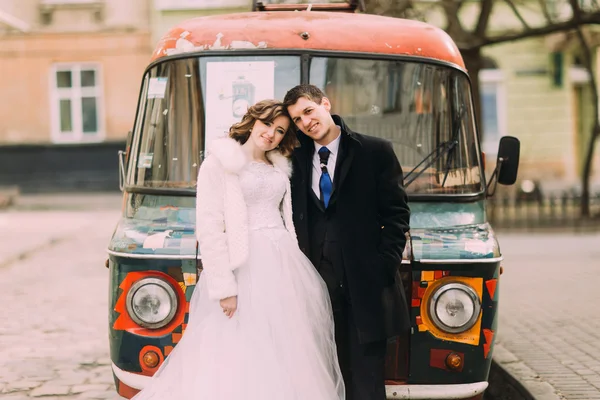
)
(510, 378)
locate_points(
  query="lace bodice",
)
(263, 188)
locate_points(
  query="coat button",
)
(301, 216)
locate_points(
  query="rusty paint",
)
(331, 31)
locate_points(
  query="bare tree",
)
(569, 16)
(595, 133)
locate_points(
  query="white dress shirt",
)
(333, 147)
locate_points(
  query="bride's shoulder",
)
(227, 153)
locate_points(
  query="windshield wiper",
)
(446, 147)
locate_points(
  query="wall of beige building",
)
(76, 16)
(542, 114)
(117, 41)
(28, 61)
(537, 111)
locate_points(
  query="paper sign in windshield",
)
(157, 88)
(231, 88)
(145, 160)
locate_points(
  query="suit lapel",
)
(305, 163)
(303, 157)
(343, 164)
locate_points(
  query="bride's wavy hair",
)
(266, 111)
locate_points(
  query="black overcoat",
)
(373, 216)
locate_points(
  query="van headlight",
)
(454, 307)
(151, 303)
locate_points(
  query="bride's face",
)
(267, 135)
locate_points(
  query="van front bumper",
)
(435, 392)
(407, 392)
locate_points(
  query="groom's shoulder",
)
(371, 143)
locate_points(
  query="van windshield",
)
(425, 110)
(188, 102)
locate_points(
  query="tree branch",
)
(544, 7)
(518, 14)
(484, 17)
(576, 11)
(454, 27)
(584, 19)
(398, 9)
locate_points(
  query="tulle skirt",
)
(279, 344)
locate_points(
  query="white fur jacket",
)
(221, 214)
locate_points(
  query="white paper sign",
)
(231, 88)
(157, 88)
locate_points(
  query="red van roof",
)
(318, 30)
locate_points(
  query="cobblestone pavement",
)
(549, 310)
(53, 287)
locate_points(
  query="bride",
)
(261, 325)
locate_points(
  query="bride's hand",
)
(229, 305)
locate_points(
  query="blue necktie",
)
(325, 182)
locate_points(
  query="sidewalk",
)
(549, 327)
(53, 285)
(36, 222)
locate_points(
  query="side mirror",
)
(507, 164)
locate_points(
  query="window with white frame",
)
(493, 108)
(76, 103)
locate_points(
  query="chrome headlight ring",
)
(151, 302)
(449, 301)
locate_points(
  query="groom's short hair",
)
(310, 92)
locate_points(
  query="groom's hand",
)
(229, 305)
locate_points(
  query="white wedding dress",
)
(280, 343)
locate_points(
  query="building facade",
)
(71, 72)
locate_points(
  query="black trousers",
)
(362, 364)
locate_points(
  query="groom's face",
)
(314, 120)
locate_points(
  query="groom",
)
(351, 216)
